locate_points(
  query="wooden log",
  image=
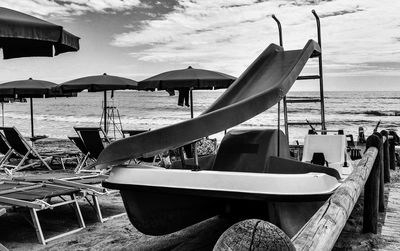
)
(371, 190)
(392, 150)
(381, 198)
(3, 248)
(201, 236)
(386, 157)
(254, 234)
(324, 228)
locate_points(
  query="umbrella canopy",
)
(188, 78)
(30, 89)
(98, 83)
(22, 35)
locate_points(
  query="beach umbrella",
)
(22, 35)
(187, 80)
(98, 83)
(30, 88)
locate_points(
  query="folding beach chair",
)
(93, 139)
(36, 197)
(84, 155)
(4, 149)
(20, 146)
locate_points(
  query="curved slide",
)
(264, 83)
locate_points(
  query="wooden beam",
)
(371, 192)
(201, 236)
(392, 150)
(324, 228)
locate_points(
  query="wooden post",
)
(381, 175)
(386, 157)
(371, 190)
(254, 234)
(392, 150)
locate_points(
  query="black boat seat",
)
(289, 166)
(248, 150)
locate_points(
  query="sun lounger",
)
(88, 184)
(93, 139)
(36, 197)
(20, 146)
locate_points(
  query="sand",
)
(119, 234)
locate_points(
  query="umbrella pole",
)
(32, 134)
(195, 156)
(2, 112)
(105, 112)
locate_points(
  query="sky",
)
(141, 38)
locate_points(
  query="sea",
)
(141, 110)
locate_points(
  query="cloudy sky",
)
(140, 38)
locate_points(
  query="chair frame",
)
(30, 150)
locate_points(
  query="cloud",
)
(69, 8)
(228, 35)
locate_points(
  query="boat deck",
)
(390, 234)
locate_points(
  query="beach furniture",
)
(84, 154)
(89, 185)
(29, 155)
(40, 196)
(5, 150)
(93, 139)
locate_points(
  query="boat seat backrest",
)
(332, 147)
(290, 166)
(248, 150)
(14, 139)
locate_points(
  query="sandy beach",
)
(119, 234)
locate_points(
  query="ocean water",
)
(56, 117)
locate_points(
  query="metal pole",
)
(32, 133)
(195, 156)
(105, 112)
(321, 79)
(279, 103)
(279, 29)
(191, 103)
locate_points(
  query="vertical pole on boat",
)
(32, 133)
(321, 79)
(284, 98)
(105, 112)
(195, 156)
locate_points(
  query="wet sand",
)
(118, 233)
